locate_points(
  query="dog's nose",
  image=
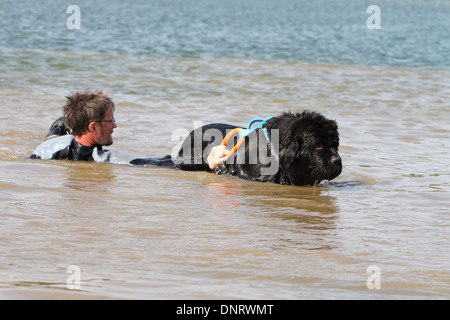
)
(336, 160)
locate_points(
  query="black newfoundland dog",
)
(292, 149)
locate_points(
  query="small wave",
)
(8, 154)
(349, 181)
(343, 184)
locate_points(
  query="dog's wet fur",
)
(302, 149)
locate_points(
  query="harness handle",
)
(228, 137)
(242, 134)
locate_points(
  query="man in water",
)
(87, 126)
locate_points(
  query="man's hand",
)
(217, 156)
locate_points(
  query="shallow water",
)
(165, 234)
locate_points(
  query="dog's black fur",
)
(307, 153)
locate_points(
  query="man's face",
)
(107, 127)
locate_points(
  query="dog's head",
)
(308, 148)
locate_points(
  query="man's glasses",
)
(110, 121)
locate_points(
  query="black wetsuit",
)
(61, 145)
(73, 151)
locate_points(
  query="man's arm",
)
(215, 158)
(57, 148)
(58, 128)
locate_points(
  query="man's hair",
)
(82, 108)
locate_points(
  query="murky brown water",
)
(160, 233)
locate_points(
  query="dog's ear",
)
(289, 154)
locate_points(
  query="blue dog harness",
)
(245, 132)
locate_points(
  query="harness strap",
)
(243, 133)
(246, 132)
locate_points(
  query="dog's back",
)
(304, 150)
(198, 144)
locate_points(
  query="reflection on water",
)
(303, 214)
(89, 177)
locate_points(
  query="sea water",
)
(87, 230)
